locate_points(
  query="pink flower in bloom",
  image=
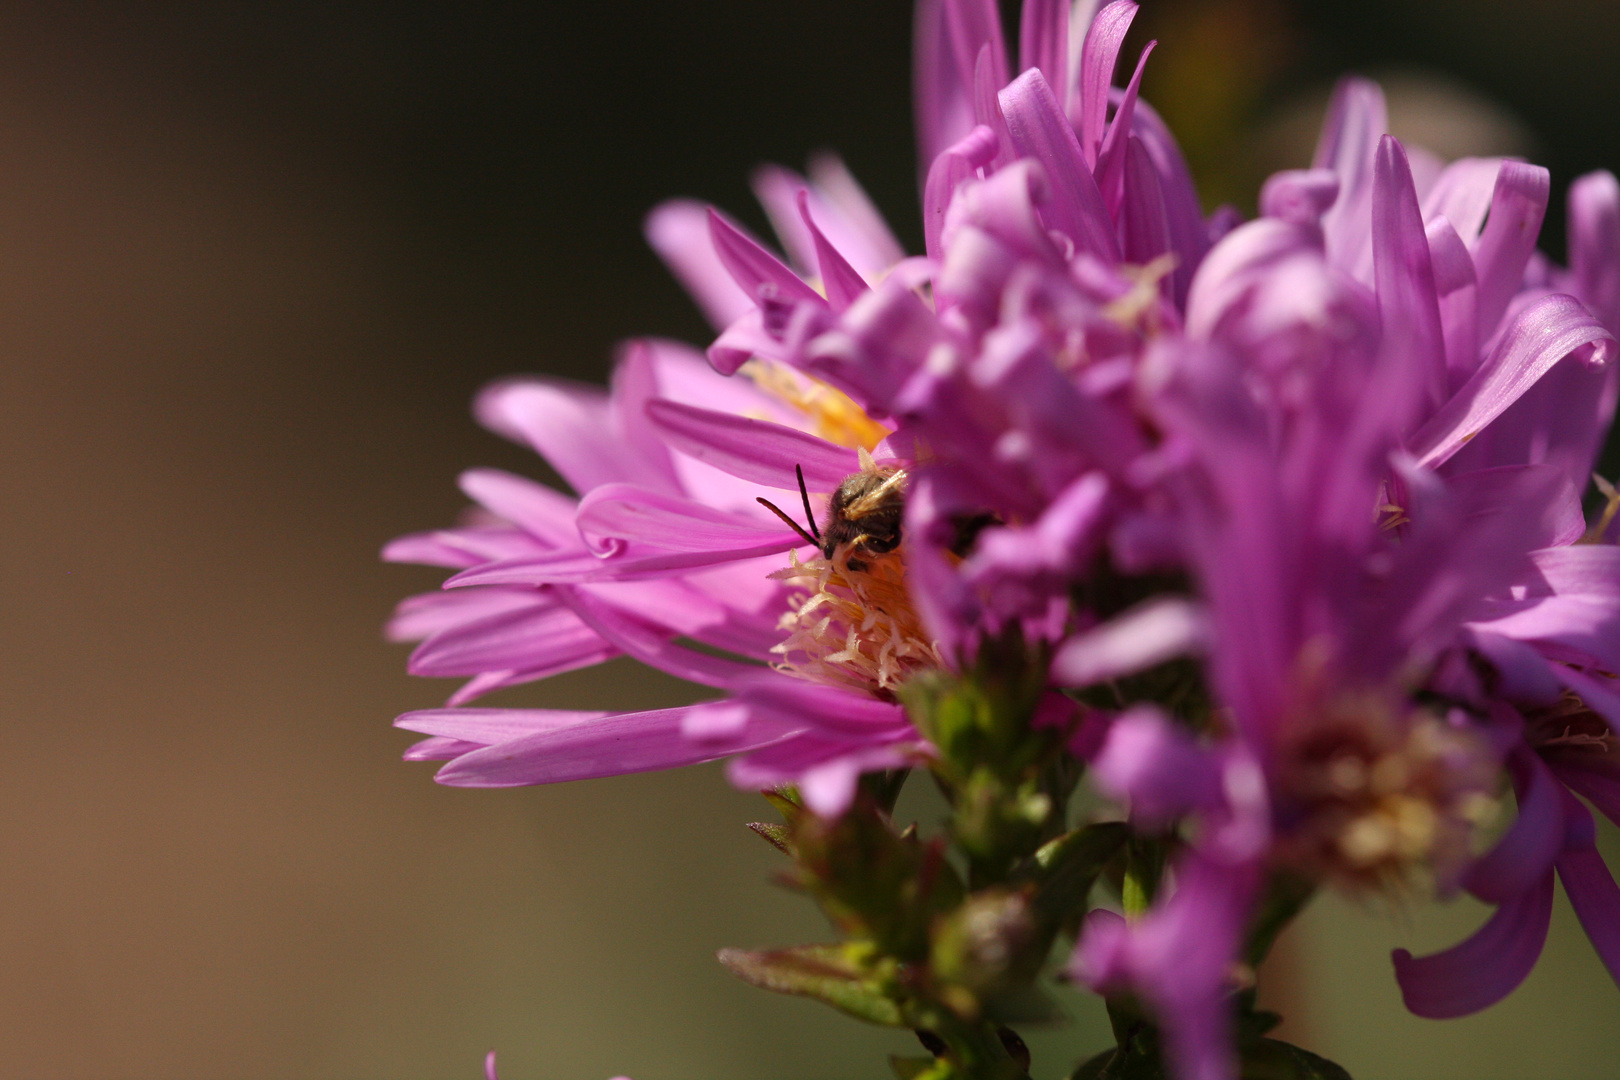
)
(847, 360)
(1349, 357)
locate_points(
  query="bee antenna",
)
(794, 525)
(805, 495)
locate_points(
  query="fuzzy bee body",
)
(865, 513)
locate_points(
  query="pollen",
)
(853, 628)
(1384, 799)
(833, 414)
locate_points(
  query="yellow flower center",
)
(833, 414)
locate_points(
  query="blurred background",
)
(254, 260)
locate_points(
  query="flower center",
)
(854, 628)
(1381, 797)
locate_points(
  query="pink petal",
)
(777, 190)
(757, 272)
(852, 222)
(1043, 40)
(1462, 195)
(1526, 851)
(539, 636)
(679, 232)
(611, 745)
(1485, 968)
(1356, 122)
(755, 450)
(569, 424)
(1585, 569)
(1039, 130)
(1145, 225)
(1591, 889)
(1110, 170)
(1517, 207)
(624, 512)
(1098, 56)
(1594, 243)
(487, 727)
(958, 163)
(1408, 304)
(538, 510)
(1543, 334)
(842, 284)
(416, 617)
(1146, 635)
(655, 649)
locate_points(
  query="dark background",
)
(254, 261)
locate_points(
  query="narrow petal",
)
(679, 232)
(1408, 304)
(1594, 243)
(618, 512)
(1543, 334)
(612, 745)
(1043, 40)
(1144, 220)
(1039, 130)
(754, 450)
(1462, 195)
(1525, 853)
(571, 425)
(854, 225)
(757, 272)
(1485, 968)
(1594, 777)
(486, 727)
(1098, 56)
(1110, 169)
(1356, 122)
(1146, 635)
(1157, 767)
(656, 650)
(1518, 206)
(1591, 890)
(842, 284)
(1576, 570)
(777, 190)
(540, 635)
(416, 617)
(956, 164)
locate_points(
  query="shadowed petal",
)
(1484, 969)
(1591, 888)
(1526, 851)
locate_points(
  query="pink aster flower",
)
(1346, 354)
(1059, 243)
(1550, 644)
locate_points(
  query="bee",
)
(864, 514)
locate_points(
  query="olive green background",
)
(254, 260)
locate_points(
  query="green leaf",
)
(1092, 1068)
(909, 1068)
(823, 972)
(1272, 1059)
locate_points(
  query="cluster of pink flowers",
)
(1334, 456)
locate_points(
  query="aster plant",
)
(1270, 533)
